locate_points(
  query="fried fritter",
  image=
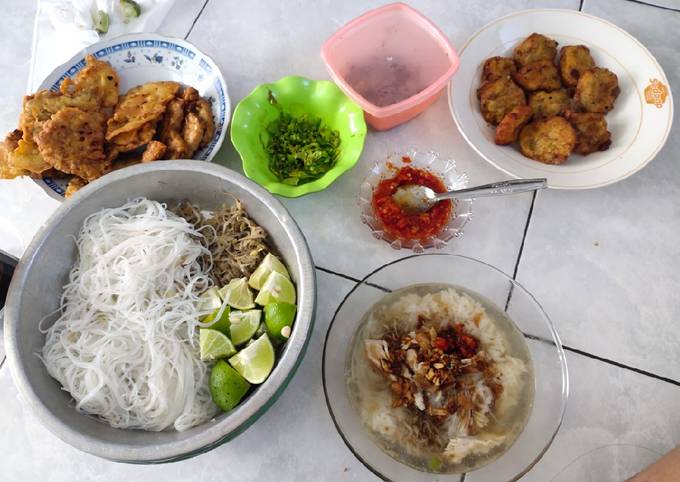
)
(7, 168)
(204, 111)
(27, 157)
(192, 131)
(550, 140)
(140, 105)
(177, 146)
(498, 97)
(547, 104)
(154, 151)
(190, 94)
(42, 105)
(74, 185)
(97, 79)
(534, 48)
(591, 132)
(597, 90)
(497, 68)
(131, 140)
(171, 128)
(539, 75)
(72, 141)
(574, 60)
(508, 129)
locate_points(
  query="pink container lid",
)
(392, 31)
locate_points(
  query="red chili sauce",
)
(411, 226)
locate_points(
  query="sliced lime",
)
(279, 319)
(222, 324)
(237, 294)
(276, 288)
(214, 344)
(269, 264)
(209, 302)
(261, 330)
(256, 361)
(227, 387)
(244, 325)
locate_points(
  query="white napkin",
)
(64, 27)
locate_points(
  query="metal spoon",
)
(417, 199)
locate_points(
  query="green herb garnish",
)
(301, 149)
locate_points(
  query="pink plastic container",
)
(392, 61)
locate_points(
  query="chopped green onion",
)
(301, 149)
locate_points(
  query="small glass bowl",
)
(430, 161)
(551, 379)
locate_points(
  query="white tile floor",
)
(601, 262)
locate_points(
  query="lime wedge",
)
(209, 301)
(279, 318)
(256, 361)
(214, 344)
(222, 324)
(269, 264)
(244, 325)
(237, 294)
(276, 288)
(227, 387)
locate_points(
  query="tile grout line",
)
(196, 19)
(580, 5)
(647, 4)
(622, 365)
(351, 278)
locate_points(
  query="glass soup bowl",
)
(549, 363)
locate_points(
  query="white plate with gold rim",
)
(641, 119)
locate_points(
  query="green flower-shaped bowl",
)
(296, 96)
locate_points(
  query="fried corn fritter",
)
(563, 106)
(534, 48)
(550, 140)
(72, 141)
(592, 134)
(498, 97)
(597, 90)
(508, 129)
(547, 104)
(497, 68)
(539, 75)
(574, 60)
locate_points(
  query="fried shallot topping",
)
(430, 371)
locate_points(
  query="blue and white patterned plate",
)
(149, 57)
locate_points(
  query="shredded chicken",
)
(237, 244)
(434, 373)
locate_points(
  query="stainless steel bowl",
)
(40, 275)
